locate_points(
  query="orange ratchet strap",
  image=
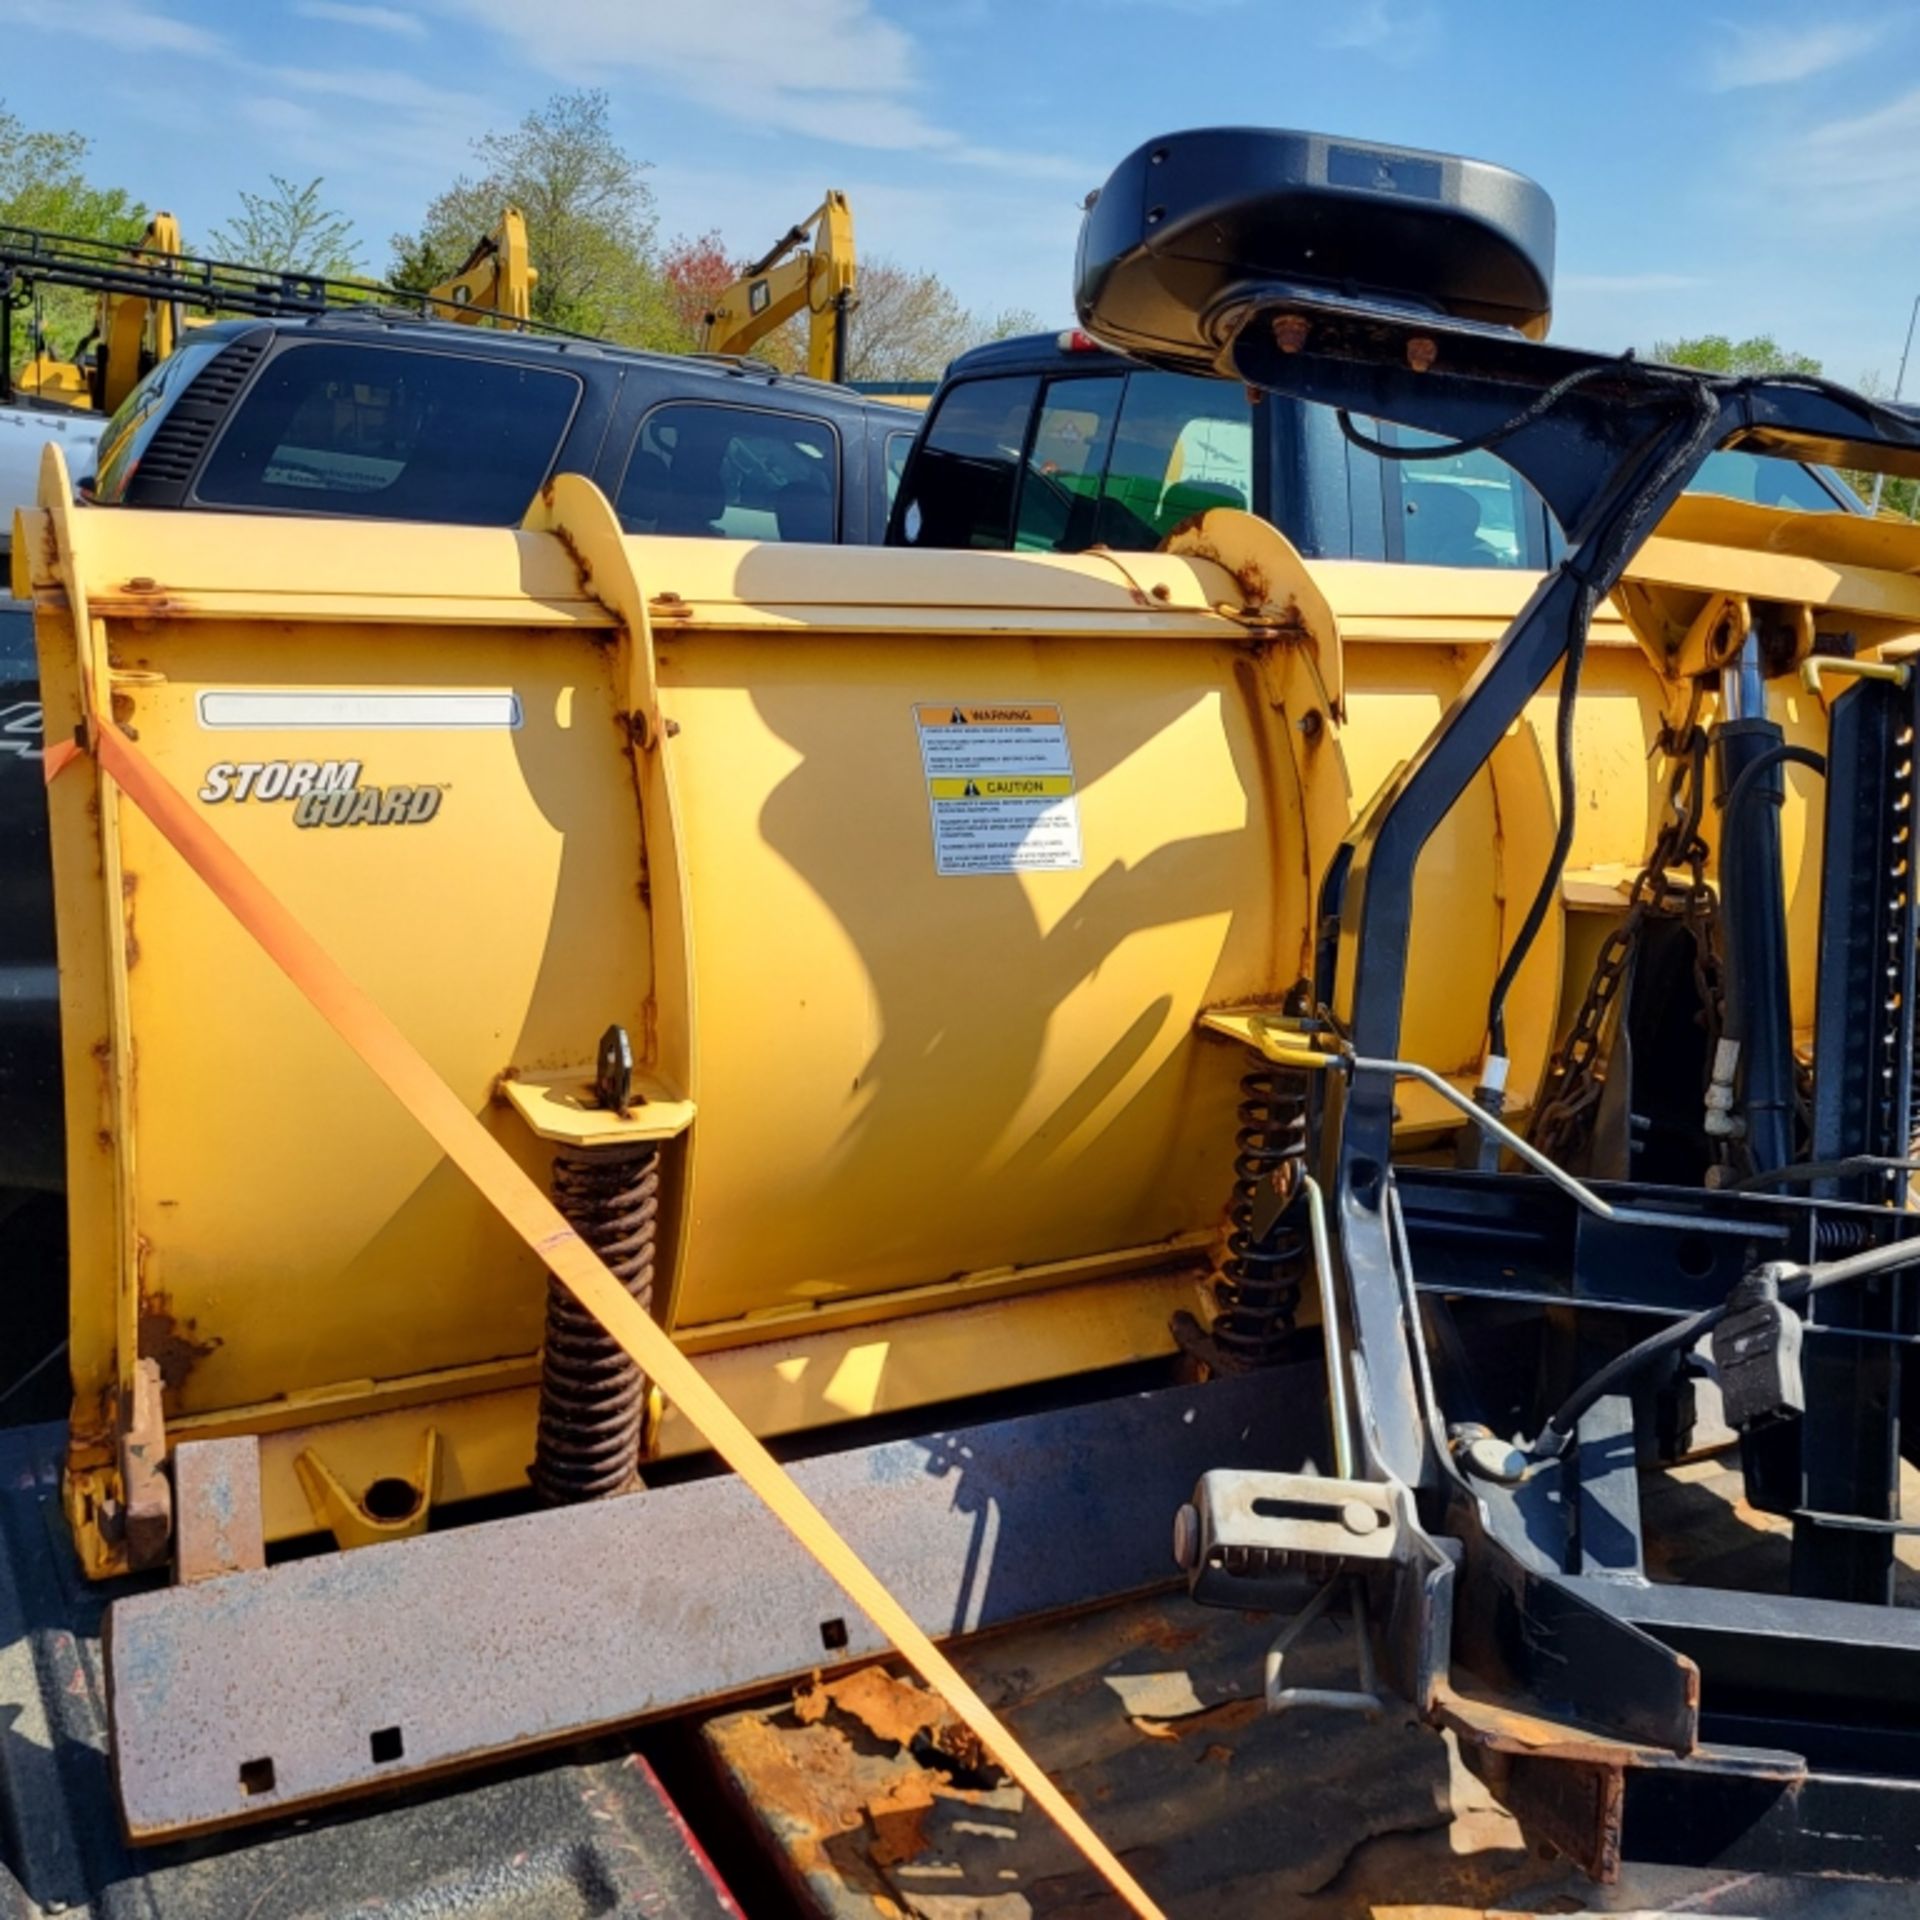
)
(520, 1203)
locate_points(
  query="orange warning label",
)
(1008, 716)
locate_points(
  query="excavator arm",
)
(136, 333)
(793, 278)
(497, 281)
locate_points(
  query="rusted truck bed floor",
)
(1148, 1714)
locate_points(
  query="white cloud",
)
(407, 26)
(832, 70)
(1628, 283)
(1400, 34)
(376, 87)
(1750, 55)
(1860, 168)
(124, 25)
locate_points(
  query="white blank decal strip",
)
(271, 709)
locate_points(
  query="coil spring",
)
(593, 1399)
(1833, 1239)
(1256, 1293)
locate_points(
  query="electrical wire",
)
(1795, 1284)
(1612, 549)
(1564, 774)
(1809, 1171)
(1547, 399)
(32, 1373)
(1764, 763)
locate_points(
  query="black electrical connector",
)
(1756, 1352)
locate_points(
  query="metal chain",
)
(1576, 1075)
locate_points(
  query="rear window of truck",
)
(968, 467)
(1106, 459)
(392, 434)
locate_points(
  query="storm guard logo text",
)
(323, 793)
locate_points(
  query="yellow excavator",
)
(145, 291)
(497, 281)
(133, 334)
(811, 271)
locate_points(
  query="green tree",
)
(1898, 494)
(43, 183)
(590, 222)
(908, 323)
(289, 230)
(1716, 353)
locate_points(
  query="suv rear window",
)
(731, 473)
(385, 433)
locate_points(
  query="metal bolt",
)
(1186, 1538)
(1357, 1517)
(1496, 1459)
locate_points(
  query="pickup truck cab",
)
(1051, 444)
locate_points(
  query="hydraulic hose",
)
(1795, 1283)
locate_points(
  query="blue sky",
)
(1746, 169)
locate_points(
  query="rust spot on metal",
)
(1565, 1785)
(142, 583)
(894, 1710)
(898, 1817)
(868, 1782)
(807, 1788)
(1290, 332)
(1160, 1631)
(143, 607)
(130, 939)
(170, 1342)
(1229, 1716)
(145, 1521)
(565, 536)
(1422, 352)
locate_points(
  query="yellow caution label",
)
(1003, 786)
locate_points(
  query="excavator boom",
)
(497, 281)
(794, 278)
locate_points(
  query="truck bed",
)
(1144, 1711)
